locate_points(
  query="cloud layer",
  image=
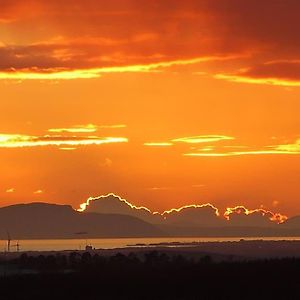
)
(72, 39)
(205, 215)
(68, 138)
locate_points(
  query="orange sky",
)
(165, 103)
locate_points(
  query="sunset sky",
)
(165, 103)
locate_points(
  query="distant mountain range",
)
(111, 216)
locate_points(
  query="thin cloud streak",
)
(191, 140)
(162, 144)
(68, 148)
(86, 128)
(59, 74)
(274, 152)
(222, 151)
(281, 72)
(20, 141)
(252, 80)
(281, 149)
(203, 139)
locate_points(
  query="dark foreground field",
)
(150, 275)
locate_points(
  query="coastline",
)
(221, 250)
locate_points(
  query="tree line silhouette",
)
(151, 275)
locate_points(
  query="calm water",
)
(79, 244)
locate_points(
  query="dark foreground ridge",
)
(148, 275)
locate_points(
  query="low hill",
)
(41, 221)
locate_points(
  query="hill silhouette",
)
(42, 220)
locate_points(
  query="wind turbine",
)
(8, 241)
(9, 245)
(17, 246)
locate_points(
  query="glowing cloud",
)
(159, 188)
(67, 148)
(167, 212)
(247, 79)
(12, 190)
(38, 192)
(242, 210)
(62, 74)
(17, 140)
(289, 148)
(56, 75)
(281, 149)
(202, 139)
(85, 128)
(282, 72)
(76, 129)
(240, 153)
(162, 144)
(84, 206)
(187, 211)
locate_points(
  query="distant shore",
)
(222, 250)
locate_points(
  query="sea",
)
(114, 243)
